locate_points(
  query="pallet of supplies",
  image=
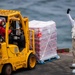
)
(45, 39)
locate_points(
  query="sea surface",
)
(46, 10)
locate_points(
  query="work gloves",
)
(68, 10)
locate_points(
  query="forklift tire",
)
(7, 70)
(31, 61)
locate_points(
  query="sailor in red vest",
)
(2, 28)
(73, 37)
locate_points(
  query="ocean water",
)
(47, 10)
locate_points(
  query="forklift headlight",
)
(0, 40)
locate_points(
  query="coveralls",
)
(73, 37)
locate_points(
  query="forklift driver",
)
(2, 29)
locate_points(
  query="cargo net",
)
(45, 42)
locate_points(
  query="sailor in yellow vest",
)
(73, 38)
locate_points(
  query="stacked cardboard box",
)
(45, 39)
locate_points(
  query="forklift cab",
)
(15, 33)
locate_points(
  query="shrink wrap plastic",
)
(45, 39)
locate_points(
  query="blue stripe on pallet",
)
(48, 60)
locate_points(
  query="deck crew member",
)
(73, 37)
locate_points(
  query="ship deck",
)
(56, 67)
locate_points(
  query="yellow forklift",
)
(17, 49)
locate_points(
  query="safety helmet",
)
(2, 22)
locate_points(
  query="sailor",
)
(2, 28)
(73, 38)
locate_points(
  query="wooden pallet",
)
(48, 60)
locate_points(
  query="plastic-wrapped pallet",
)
(45, 39)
